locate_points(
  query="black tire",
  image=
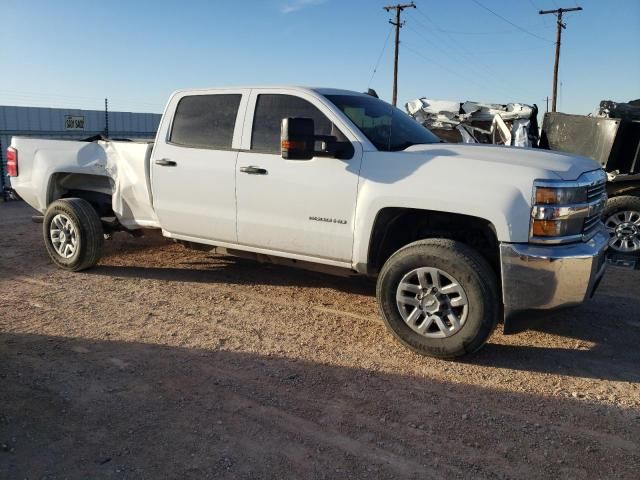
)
(88, 231)
(472, 273)
(623, 203)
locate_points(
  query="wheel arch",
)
(396, 227)
(95, 189)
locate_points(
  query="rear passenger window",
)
(205, 121)
(271, 109)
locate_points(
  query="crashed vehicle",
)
(456, 235)
(611, 136)
(514, 124)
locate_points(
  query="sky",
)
(135, 53)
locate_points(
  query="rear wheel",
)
(439, 298)
(73, 234)
(622, 219)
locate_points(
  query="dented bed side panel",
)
(43, 162)
(129, 169)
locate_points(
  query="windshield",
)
(387, 127)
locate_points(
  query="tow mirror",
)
(297, 138)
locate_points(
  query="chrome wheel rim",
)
(64, 236)
(432, 302)
(624, 228)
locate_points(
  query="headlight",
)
(565, 212)
(557, 228)
(560, 196)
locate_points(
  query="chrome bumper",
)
(542, 277)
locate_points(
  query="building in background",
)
(69, 124)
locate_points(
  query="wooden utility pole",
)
(558, 13)
(398, 24)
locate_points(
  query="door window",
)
(272, 108)
(205, 121)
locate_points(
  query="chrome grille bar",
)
(596, 192)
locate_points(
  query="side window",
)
(205, 120)
(271, 109)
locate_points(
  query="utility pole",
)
(398, 24)
(558, 13)
(106, 118)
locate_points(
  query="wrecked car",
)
(513, 124)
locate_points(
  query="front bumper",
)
(542, 277)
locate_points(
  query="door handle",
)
(253, 170)
(165, 162)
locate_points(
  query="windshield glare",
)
(387, 127)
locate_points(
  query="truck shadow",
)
(90, 408)
(599, 341)
(239, 271)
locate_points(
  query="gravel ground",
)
(164, 362)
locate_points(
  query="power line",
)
(436, 48)
(458, 74)
(494, 32)
(458, 32)
(442, 43)
(511, 23)
(513, 50)
(384, 47)
(462, 49)
(481, 69)
(445, 68)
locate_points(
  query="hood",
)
(566, 166)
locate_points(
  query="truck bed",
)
(117, 168)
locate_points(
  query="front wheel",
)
(438, 297)
(622, 219)
(73, 234)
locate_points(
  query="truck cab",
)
(234, 187)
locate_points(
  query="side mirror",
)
(297, 138)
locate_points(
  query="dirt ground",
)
(164, 362)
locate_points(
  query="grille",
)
(597, 197)
(596, 191)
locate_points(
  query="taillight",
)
(12, 162)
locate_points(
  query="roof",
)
(319, 90)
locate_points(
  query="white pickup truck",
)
(457, 235)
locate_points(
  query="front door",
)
(303, 207)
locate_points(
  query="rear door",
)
(193, 167)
